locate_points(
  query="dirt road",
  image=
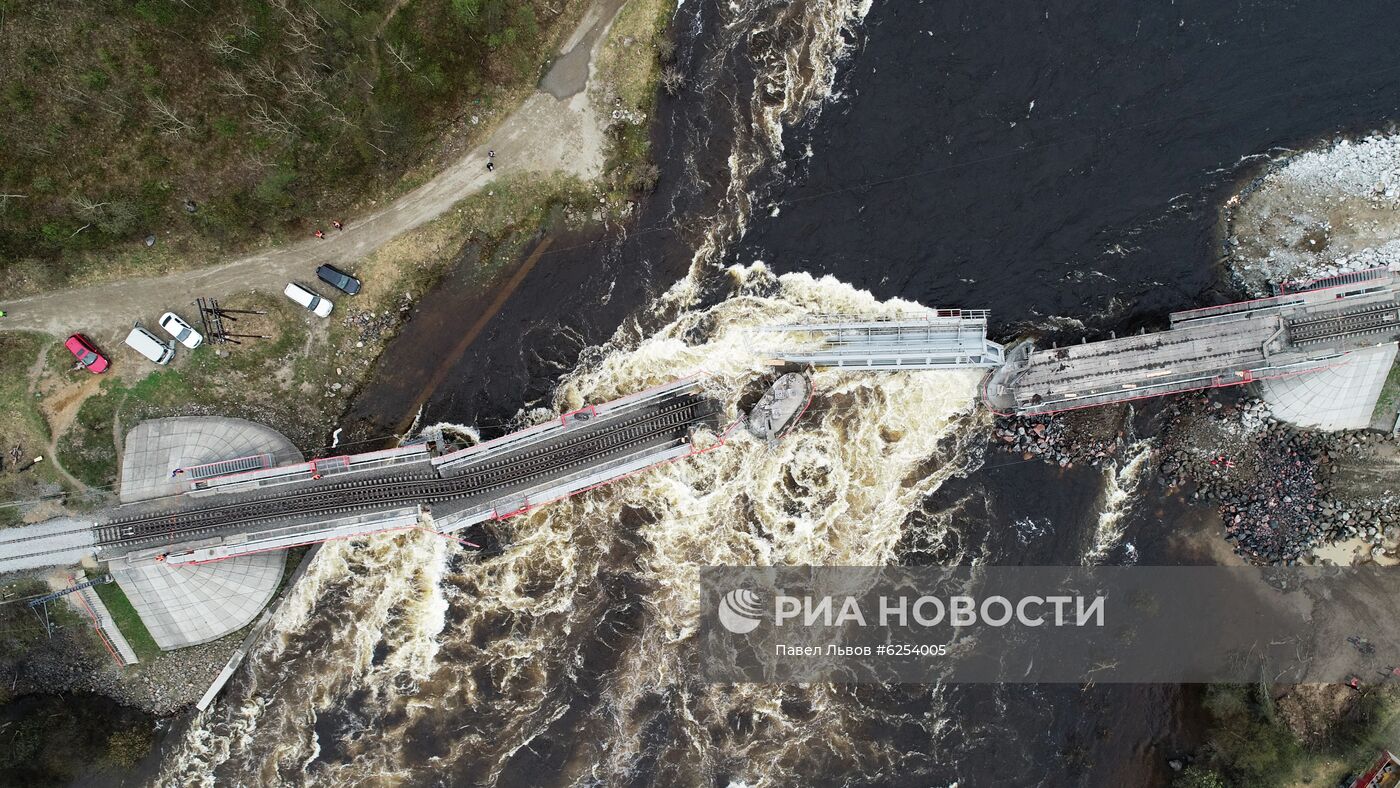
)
(556, 130)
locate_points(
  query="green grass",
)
(21, 422)
(87, 449)
(20, 629)
(1389, 400)
(128, 621)
(631, 63)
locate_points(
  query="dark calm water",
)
(1048, 160)
(937, 181)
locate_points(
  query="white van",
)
(320, 307)
(146, 343)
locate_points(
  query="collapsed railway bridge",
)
(209, 506)
(495, 480)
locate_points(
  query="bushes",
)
(1257, 748)
(87, 450)
(1197, 777)
(274, 193)
(57, 739)
(1246, 745)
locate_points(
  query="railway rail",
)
(1351, 322)
(493, 476)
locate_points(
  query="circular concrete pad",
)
(155, 448)
(194, 603)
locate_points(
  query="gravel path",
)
(556, 130)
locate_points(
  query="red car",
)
(86, 354)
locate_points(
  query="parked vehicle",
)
(86, 354)
(338, 279)
(182, 331)
(150, 346)
(320, 307)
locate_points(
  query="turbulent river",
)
(1057, 163)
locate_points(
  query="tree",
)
(467, 10)
(1198, 777)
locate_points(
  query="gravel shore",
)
(1317, 213)
(1282, 492)
(164, 686)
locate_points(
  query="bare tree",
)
(71, 92)
(649, 176)
(313, 15)
(89, 207)
(265, 73)
(672, 80)
(234, 86)
(265, 120)
(5, 200)
(300, 84)
(396, 52)
(665, 50)
(311, 19)
(246, 30)
(300, 41)
(170, 123)
(223, 47)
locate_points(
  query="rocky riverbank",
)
(1317, 213)
(164, 686)
(1283, 493)
(1274, 484)
(1083, 437)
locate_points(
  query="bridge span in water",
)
(1319, 353)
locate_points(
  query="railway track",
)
(1350, 322)
(491, 477)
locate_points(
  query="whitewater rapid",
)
(388, 636)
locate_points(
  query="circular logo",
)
(740, 611)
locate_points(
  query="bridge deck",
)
(1131, 366)
(574, 448)
(1232, 344)
(945, 338)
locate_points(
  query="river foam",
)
(567, 658)
(391, 638)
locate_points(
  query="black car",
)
(338, 279)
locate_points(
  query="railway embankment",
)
(1331, 209)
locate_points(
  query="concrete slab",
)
(1341, 397)
(191, 604)
(154, 449)
(255, 634)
